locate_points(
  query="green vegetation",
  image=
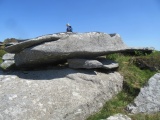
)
(134, 79)
(2, 52)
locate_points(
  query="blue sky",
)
(137, 21)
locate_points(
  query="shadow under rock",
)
(49, 74)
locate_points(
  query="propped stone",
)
(84, 45)
(148, 100)
(89, 64)
(52, 48)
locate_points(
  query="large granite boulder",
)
(57, 47)
(148, 100)
(55, 94)
(84, 45)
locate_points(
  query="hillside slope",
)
(136, 69)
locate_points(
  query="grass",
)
(134, 79)
(2, 52)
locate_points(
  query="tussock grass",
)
(2, 52)
(134, 79)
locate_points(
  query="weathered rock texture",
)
(148, 100)
(56, 94)
(118, 117)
